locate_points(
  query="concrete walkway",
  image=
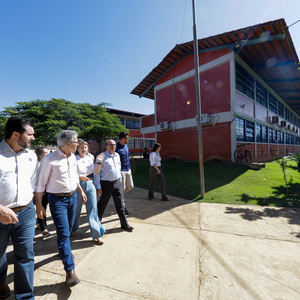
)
(178, 250)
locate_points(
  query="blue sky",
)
(98, 51)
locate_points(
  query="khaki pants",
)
(127, 182)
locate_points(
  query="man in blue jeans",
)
(18, 167)
(58, 176)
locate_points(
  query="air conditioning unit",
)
(172, 125)
(275, 119)
(205, 118)
(288, 127)
(164, 125)
(283, 124)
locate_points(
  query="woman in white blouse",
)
(86, 169)
(156, 172)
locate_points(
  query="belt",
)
(19, 208)
(110, 181)
(63, 194)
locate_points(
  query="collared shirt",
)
(124, 157)
(110, 169)
(155, 159)
(17, 176)
(58, 173)
(85, 165)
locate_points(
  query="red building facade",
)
(243, 100)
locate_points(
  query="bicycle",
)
(242, 153)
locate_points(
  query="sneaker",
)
(46, 234)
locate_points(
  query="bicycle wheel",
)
(247, 154)
(237, 156)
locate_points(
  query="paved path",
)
(178, 250)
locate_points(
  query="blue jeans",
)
(63, 212)
(96, 227)
(22, 235)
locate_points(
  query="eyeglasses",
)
(111, 145)
(77, 143)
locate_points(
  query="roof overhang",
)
(267, 48)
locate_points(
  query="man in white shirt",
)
(108, 183)
(18, 167)
(58, 176)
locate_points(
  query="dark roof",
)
(267, 48)
(123, 112)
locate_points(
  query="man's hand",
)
(8, 216)
(39, 209)
(99, 192)
(83, 197)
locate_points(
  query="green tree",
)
(92, 122)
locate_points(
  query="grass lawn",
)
(225, 183)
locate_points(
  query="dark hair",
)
(123, 135)
(81, 141)
(17, 124)
(155, 147)
(38, 151)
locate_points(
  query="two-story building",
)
(250, 94)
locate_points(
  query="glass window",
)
(240, 129)
(287, 114)
(280, 137)
(244, 81)
(149, 144)
(273, 103)
(287, 138)
(280, 109)
(264, 134)
(292, 139)
(249, 132)
(258, 133)
(261, 94)
(272, 136)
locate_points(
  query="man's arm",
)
(40, 210)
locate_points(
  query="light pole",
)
(198, 98)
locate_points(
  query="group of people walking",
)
(63, 179)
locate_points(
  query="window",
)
(280, 137)
(133, 124)
(272, 136)
(244, 81)
(273, 103)
(149, 144)
(249, 131)
(261, 94)
(239, 129)
(244, 130)
(292, 139)
(287, 138)
(261, 134)
(280, 109)
(258, 133)
(264, 134)
(287, 114)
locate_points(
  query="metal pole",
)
(198, 98)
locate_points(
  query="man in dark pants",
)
(108, 183)
(18, 167)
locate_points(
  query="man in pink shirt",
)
(58, 176)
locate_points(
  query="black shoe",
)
(165, 199)
(127, 227)
(71, 278)
(4, 290)
(126, 212)
(150, 198)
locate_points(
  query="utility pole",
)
(198, 98)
